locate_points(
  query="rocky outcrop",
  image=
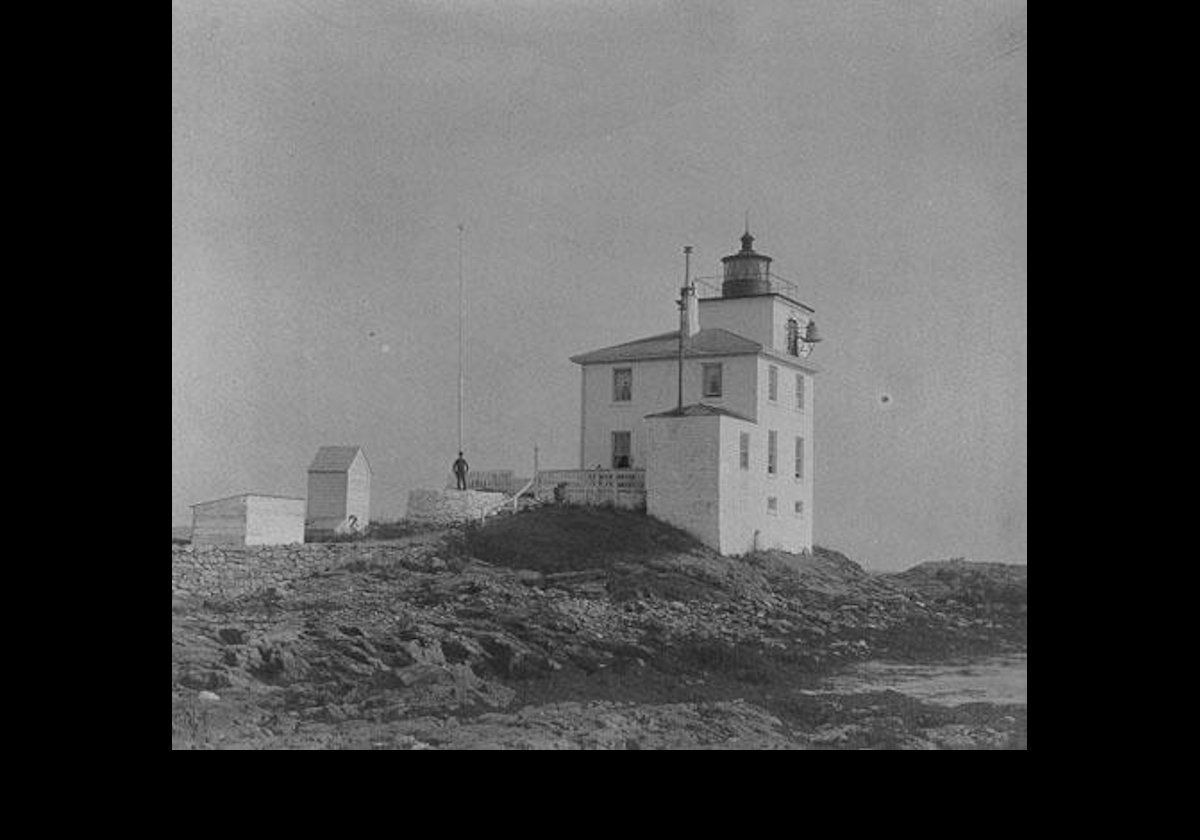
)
(962, 582)
(233, 571)
(423, 643)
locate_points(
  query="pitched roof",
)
(701, 410)
(710, 342)
(248, 495)
(334, 458)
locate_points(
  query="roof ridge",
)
(710, 341)
(730, 332)
(337, 457)
(244, 495)
(655, 337)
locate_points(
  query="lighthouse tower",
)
(722, 426)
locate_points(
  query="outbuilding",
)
(339, 491)
(248, 519)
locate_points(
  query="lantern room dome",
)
(747, 272)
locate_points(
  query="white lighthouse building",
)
(727, 447)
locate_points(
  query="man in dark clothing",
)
(460, 472)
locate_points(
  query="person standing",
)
(460, 471)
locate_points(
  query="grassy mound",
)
(559, 539)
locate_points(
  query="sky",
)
(325, 152)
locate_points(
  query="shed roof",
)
(335, 458)
(700, 410)
(248, 495)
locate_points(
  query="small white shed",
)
(248, 519)
(339, 490)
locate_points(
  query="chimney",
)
(690, 319)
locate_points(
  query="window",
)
(621, 457)
(793, 336)
(772, 505)
(771, 440)
(800, 391)
(799, 458)
(772, 383)
(622, 384)
(799, 508)
(712, 380)
(744, 450)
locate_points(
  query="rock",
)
(208, 695)
(422, 675)
(425, 651)
(529, 577)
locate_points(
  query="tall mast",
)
(461, 377)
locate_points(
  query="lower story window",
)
(772, 504)
(622, 457)
(799, 508)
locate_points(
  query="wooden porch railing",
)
(623, 488)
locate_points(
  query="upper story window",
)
(800, 391)
(744, 450)
(793, 336)
(772, 439)
(772, 383)
(712, 380)
(622, 384)
(799, 458)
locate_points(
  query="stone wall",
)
(446, 507)
(228, 571)
(231, 571)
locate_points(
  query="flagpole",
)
(461, 377)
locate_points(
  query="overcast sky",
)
(324, 152)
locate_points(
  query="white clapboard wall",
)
(248, 519)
